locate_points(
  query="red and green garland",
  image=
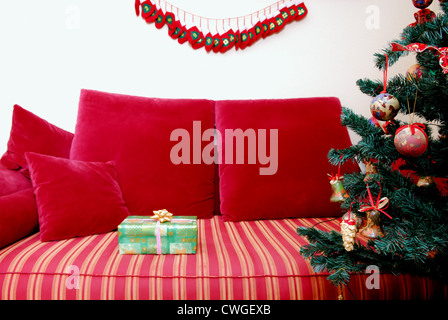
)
(220, 35)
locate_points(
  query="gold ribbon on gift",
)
(162, 215)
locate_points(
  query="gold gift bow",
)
(162, 215)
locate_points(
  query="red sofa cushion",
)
(75, 198)
(299, 185)
(29, 133)
(18, 216)
(12, 181)
(135, 133)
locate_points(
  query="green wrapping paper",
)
(138, 235)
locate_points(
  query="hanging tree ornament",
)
(414, 72)
(373, 229)
(385, 106)
(423, 15)
(411, 140)
(350, 224)
(371, 169)
(339, 194)
(421, 4)
(338, 191)
(425, 181)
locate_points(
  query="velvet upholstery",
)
(75, 198)
(12, 181)
(250, 260)
(135, 132)
(18, 216)
(30, 133)
(299, 185)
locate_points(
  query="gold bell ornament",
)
(372, 229)
(338, 191)
(339, 194)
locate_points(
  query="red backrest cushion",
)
(30, 133)
(18, 216)
(297, 184)
(75, 198)
(135, 132)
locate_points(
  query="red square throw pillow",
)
(139, 135)
(274, 157)
(75, 198)
(18, 216)
(29, 133)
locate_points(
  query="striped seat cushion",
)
(235, 260)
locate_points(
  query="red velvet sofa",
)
(252, 172)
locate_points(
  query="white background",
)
(51, 49)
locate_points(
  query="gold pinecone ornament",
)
(349, 228)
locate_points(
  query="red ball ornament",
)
(421, 4)
(411, 140)
(414, 72)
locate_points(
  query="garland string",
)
(236, 32)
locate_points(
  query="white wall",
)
(50, 49)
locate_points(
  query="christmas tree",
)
(400, 205)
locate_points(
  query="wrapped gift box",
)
(145, 235)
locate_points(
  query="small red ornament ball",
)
(421, 4)
(411, 140)
(384, 107)
(414, 71)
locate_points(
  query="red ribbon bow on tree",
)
(381, 204)
(413, 126)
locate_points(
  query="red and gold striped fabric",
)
(256, 260)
